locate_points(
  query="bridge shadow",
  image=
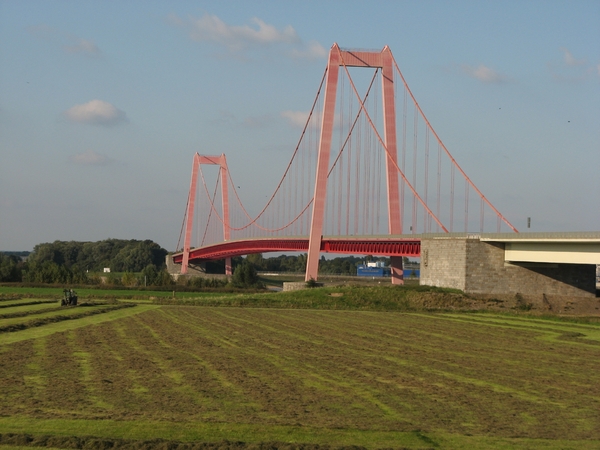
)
(579, 276)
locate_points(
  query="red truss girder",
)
(382, 247)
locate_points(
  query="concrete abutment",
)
(478, 267)
(194, 270)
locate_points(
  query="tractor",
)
(69, 298)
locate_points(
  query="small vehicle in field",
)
(69, 298)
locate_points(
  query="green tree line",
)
(345, 265)
(11, 267)
(73, 261)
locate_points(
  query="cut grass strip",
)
(22, 311)
(175, 432)
(18, 323)
(305, 370)
(78, 322)
(551, 329)
(66, 311)
(24, 302)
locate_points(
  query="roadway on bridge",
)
(564, 247)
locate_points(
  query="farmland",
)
(408, 378)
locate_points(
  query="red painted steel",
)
(337, 58)
(318, 214)
(316, 243)
(190, 214)
(225, 200)
(389, 113)
(366, 246)
(209, 160)
(410, 186)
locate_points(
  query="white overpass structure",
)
(566, 248)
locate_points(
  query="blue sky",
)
(103, 104)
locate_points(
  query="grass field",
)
(335, 375)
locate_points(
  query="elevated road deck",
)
(563, 247)
(568, 248)
(406, 245)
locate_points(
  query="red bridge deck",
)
(381, 246)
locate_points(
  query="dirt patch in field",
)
(444, 301)
(535, 304)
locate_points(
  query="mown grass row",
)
(320, 377)
(52, 316)
(10, 303)
(331, 440)
(28, 310)
(38, 334)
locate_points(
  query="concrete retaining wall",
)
(477, 267)
(297, 285)
(194, 270)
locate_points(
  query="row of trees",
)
(346, 265)
(118, 254)
(11, 267)
(80, 262)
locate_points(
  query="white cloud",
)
(239, 39)
(484, 74)
(298, 119)
(571, 69)
(257, 121)
(209, 28)
(312, 50)
(295, 118)
(83, 46)
(96, 112)
(570, 60)
(69, 42)
(91, 158)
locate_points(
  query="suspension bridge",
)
(368, 175)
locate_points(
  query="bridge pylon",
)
(222, 163)
(376, 60)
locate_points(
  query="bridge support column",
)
(397, 269)
(318, 215)
(211, 160)
(383, 60)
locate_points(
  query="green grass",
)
(67, 311)
(101, 293)
(202, 432)
(373, 298)
(28, 308)
(9, 302)
(555, 327)
(327, 377)
(59, 327)
(332, 366)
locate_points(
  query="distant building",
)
(107, 270)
